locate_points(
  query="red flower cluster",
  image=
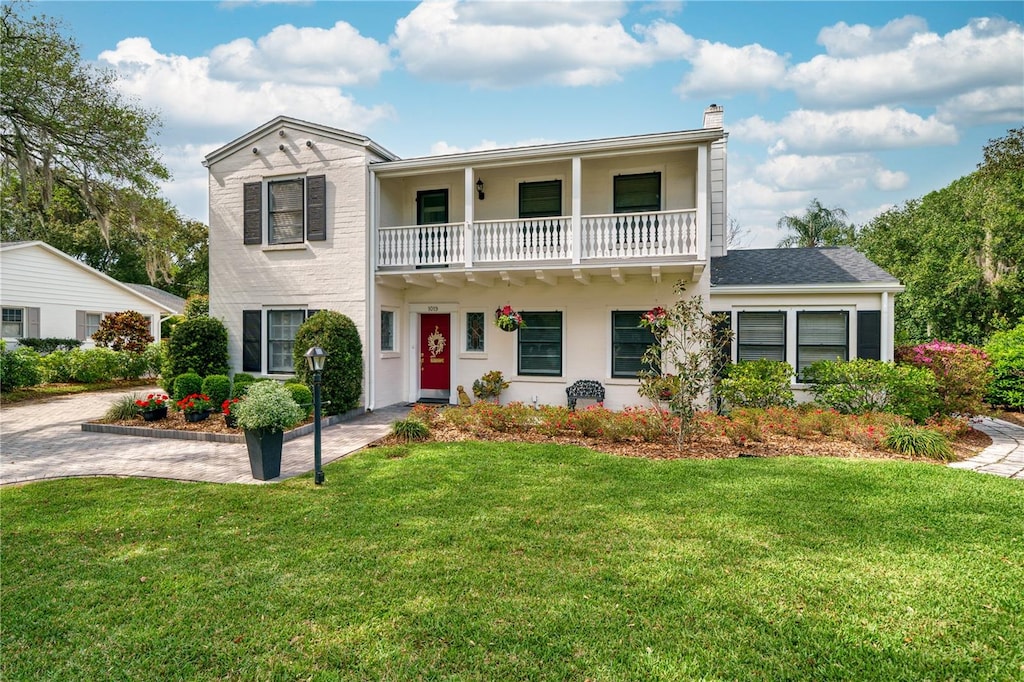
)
(153, 401)
(196, 402)
(655, 315)
(225, 407)
(506, 318)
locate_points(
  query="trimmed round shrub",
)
(186, 384)
(198, 345)
(342, 381)
(861, 385)
(218, 387)
(302, 395)
(1006, 351)
(240, 384)
(94, 365)
(19, 368)
(758, 383)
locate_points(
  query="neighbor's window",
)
(387, 330)
(285, 211)
(629, 343)
(821, 336)
(13, 323)
(761, 335)
(475, 325)
(540, 344)
(637, 193)
(92, 323)
(282, 325)
(540, 199)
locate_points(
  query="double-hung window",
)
(540, 199)
(540, 344)
(821, 336)
(289, 210)
(629, 343)
(282, 325)
(761, 335)
(13, 323)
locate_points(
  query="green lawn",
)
(494, 561)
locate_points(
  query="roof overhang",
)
(838, 288)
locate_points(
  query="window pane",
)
(432, 207)
(635, 193)
(13, 323)
(629, 343)
(540, 344)
(475, 332)
(286, 211)
(761, 335)
(282, 325)
(540, 199)
(92, 323)
(387, 330)
(821, 336)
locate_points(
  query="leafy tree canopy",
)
(818, 226)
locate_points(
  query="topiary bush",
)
(240, 383)
(758, 383)
(961, 373)
(859, 386)
(342, 381)
(218, 387)
(198, 345)
(1006, 351)
(19, 368)
(302, 395)
(186, 384)
(127, 330)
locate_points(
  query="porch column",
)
(577, 209)
(886, 330)
(468, 229)
(703, 208)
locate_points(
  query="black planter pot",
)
(264, 453)
(196, 416)
(154, 415)
(230, 420)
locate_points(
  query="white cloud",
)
(722, 70)
(843, 40)
(442, 147)
(985, 105)
(859, 130)
(501, 45)
(928, 69)
(188, 188)
(187, 95)
(845, 172)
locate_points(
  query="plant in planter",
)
(195, 406)
(266, 413)
(227, 408)
(490, 386)
(153, 407)
(507, 319)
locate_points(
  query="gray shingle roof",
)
(823, 265)
(175, 303)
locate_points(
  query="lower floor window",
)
(761, 335)
(629, 343)
(540, 344)
(92, 323)
(387, 330)
(475, 332)
(282, 325)
(13, 323)
(821, 336)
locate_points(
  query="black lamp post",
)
(315, 359)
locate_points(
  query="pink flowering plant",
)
(961, 372)
(508, 319)
(655, 318)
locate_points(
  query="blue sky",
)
(861, 105)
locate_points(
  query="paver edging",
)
(175, 434)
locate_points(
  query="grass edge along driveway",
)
(482, 561)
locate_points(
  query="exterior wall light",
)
(479, 189)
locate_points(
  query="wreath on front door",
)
(436, 342)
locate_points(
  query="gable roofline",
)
(306, 126)
(598, 147)
(14, 246)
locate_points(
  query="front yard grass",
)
(497, 561)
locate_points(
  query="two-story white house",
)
(580, 238)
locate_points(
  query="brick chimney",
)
(714, 117)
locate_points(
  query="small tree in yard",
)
(127, 330)
(690, 346)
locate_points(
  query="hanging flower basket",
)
(507, 319)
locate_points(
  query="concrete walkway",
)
(1005, 457)
(45, 440)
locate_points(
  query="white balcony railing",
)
(618, 236)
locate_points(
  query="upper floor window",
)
(287, 210)
(431, 206)
(629, 343)
(540, 199)
(13, 323)
(761, 335)
(637, 193)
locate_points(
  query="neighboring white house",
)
(581, 238)
(45, 293)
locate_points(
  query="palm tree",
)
(818, 226)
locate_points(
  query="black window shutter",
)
(252, 227)
(316, 208)
(251, 340)
(869, 334)
(311, 312)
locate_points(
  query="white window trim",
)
(463, 350)
(265, 337)
(24, 320)
(560, 377)
(638, 170)
(396, 342)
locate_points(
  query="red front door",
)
(435, 355)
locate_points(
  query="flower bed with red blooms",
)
(153, 401)
(195, 402)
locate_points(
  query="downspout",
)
(371, 290)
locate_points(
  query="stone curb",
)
(175, 434)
